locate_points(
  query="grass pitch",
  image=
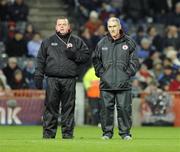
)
(88, 139)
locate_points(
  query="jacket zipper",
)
(114, 65)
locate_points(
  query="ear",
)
(69, 30)
(120, 27)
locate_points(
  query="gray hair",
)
(114, 19)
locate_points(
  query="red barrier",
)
(176, 108)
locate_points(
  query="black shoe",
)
(45, 137)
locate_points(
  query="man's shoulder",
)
(130, 41)
(103, 40)
(49, 39)
(76, 37)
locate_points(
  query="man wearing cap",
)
(115, 62)
(58, 58)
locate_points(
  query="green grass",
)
(87, 139)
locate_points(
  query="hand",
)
(70, 53)
(38, 83)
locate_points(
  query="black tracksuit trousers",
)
(59, 90)
(123, 102)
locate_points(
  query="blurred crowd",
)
(154, 25)
(19, 44)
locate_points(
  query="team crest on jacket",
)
(69, 45)
(125, 47)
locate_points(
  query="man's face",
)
(113, 27)
(62, 26)
(178, 9)
(12, 64)
(18, 77)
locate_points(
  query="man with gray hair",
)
(115, 63)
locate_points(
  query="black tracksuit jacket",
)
(52, 60)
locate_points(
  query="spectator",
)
(29, 73)
(157, 69)
(2, 88)
(29, 32)
(99, 33)
(139, 35)
(136, 88)
(136, 11)
(166, 78)
(105, 11)
(3, 80)
(18, 80)
(10, 69)
(144, 76)
(152, 87)
(18, 12)
(153, 56)
(1, 39)
(145, 49)
(90, 4)
(11, 27)
(155, 38)
(173, 18)
(91, 84)
(172, 38)
(93, 23)
(3, 19)
(17, 46)
(85, 35)
(34, 45)
(167, 62)
(3, 10)
(172, 54)
(158, 9)
(175, 84)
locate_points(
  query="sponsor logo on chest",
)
(54, 44)
(104, 48)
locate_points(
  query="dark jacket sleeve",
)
(134, 64)
(97, 62)
(82, 54)
(40, 66)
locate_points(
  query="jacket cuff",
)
(129, 72)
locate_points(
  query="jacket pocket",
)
(121, 74)
(106, 77)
